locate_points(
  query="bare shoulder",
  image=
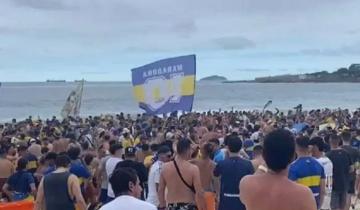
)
(247, 182)
(193, 161)
(73, 179)
(307, 200)
(167, 165)
(303, 196)
(193, 167)
(303, 190)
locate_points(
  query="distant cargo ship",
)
(57, 81)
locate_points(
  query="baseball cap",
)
(126, 130)
(130, 151)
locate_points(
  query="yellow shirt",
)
(148, 161)
(129, 142)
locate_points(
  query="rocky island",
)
(214, 78)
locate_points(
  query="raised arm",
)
(76, 192)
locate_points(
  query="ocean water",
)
(19, 100)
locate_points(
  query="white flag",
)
(73, 102)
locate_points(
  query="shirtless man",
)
(279, 151)
(181, 193)
(209, 183)
(258, 161)
(7, 168)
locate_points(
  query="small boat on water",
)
(55, 81)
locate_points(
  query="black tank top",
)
(56, 192)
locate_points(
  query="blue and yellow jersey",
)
(308, 172)
(79, 170)
(32, 164)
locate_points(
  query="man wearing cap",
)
(317, 146)
(307, 171)
(130, 162)
(163, 156)
(127, 140)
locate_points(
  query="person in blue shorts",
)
(231, 171)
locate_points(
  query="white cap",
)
(126, 130)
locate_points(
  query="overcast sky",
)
(241, 39)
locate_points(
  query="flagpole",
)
(81, 95)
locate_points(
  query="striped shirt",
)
(309, 172)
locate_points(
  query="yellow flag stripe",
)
(187, 88)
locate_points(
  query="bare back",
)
(269, 192)
(178, 192)
(60, 145)
(6, 168)
(206, 168)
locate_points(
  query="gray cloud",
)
(185, 28)
(234, 43)
(42, 4)
(353, 31)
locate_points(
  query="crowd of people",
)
(226, 160)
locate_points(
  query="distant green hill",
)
(351, 74)
(216, 78)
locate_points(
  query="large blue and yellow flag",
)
(165, 86)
